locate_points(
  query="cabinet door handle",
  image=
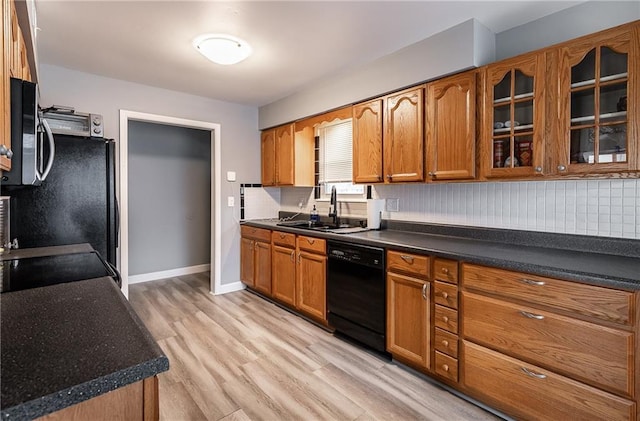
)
(293, 256)
(406, 258)
(538, 169)
(532, 374)
(432, 174)
(562, 168)
(6, 151)
(424, 291)
(389, 177)
(299, 257)
(532, 282)
(531, 315)
(253, 245)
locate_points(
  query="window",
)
(335, 160)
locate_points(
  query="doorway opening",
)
(123, 190)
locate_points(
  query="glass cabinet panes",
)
(598, 110)
(513, 110)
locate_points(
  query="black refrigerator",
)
(76, 203)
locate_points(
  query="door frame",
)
(123, 190)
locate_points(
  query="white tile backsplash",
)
(261, 203)
(609, 208)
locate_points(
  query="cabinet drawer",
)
(529, 392)
(446, 342)
(446, 366)
(255, 233)
(283, 239)
(317, 245)
(445, 270)
(446, 318)
(414, 264)
(603, 303)
(601, 356)
(445, 294)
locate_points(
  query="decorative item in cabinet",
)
(598, 102)
(513, 123)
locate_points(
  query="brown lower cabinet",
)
(527, 391)
(137, 401)
(311, 277)
(546, 349)
(289, 268)
(255, 258)
(532, 347)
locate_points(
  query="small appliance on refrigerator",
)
(76, 201)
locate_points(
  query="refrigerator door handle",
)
(117, 223)
(52, 150)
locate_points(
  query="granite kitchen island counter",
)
(64, 344)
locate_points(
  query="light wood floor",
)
(238, 357)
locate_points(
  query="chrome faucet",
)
(334, 203)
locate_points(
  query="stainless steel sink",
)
(338, 229)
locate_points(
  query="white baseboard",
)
(226, 288)
(154, 276)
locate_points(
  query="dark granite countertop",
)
(595, 262)
(63, 344)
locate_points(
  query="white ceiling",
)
(294, 43)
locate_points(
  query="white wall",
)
(240, 148)
(607, 208)
(469, 44)
(583, 19)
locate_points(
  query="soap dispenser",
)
(315, 217)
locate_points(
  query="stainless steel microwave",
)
(32, 134)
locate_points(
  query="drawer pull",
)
(532, 282)
(445, 343)
(282, 236)
(310, 240)
(445, 319)
(424, 291)
(406, 258)
(445, 271)
(532, 374)
(445, 367)
(531, 315)
(445, 295)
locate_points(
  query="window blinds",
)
(336, 152)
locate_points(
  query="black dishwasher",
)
(356, 293)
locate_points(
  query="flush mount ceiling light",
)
(222, 48)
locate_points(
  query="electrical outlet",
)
(393, 205)
(301, 204)
(231, 201)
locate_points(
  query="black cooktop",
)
(35, 272)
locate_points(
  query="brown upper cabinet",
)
(513, 118)
(287, 157)
(403, 143)
(367, 142)
(388, 138)
(451, 127)
(597, 102)
(15, 64)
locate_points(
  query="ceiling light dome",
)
(222, 48)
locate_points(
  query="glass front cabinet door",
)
(598, 97)
(513, 128)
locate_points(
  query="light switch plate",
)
(231, 176)
(231, 201)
